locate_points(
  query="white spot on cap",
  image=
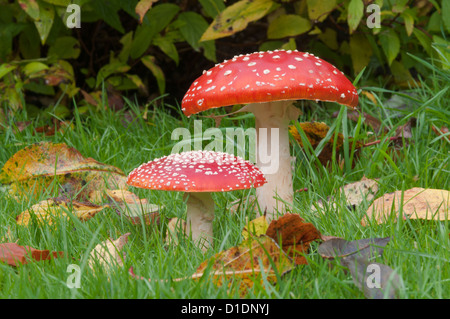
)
(251, 64)
(228, 72)
(266, 71)
(342, 96)
(292, 67)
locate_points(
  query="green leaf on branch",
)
(355, 14)
(319, 9)
(149, 62)
(360, 51)
(288, 25)
(390, 43)
(31, 7)
(236, 17)
(192, 26)
(45, 21)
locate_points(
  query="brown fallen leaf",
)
(108, 254)
(375, 280)
(442, 132)
(246, 263)
(416, 203)
(14, 254)
(294, 235)
(134, 208)
(49, 210)
(316, 132)
(41, 166)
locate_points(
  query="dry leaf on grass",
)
(14, 254)
(134, 208)
(37, 167)
(355, 193)
(49, 210)
(251, 262)
(256, 227)
(316, 132)
(294, 235)
(108, 254)
(176, 227)
(247, 263)
(376, 280)
(416, 203)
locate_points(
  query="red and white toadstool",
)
(198, 174)
(268, 82)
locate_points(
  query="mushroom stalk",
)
(273, 155)
(200, 215)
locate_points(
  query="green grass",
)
(418, 250)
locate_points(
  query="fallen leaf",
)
(355, 193)
(442, 132)
(339, 247)
(14, 254)
(316, 132)
(416, 203)
(376, 280)
(294, 235)
(134, 208)
(108, 254)
(40, 166)
(256, 227)
(176, 227)
(49, 210)
(247, 263)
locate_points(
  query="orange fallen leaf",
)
(294, 235)
(14, 254)
(416, 203)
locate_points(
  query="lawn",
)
(418, 250)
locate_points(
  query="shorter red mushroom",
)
(198, 174)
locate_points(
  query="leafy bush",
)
(44, 62)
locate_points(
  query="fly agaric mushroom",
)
(268, 82)
(198, 174)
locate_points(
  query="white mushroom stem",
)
(273, 155)
(200, 215)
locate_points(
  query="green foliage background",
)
(148, 48)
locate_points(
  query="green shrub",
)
(121, 40)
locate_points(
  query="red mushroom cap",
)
(269, 76)
(197, 171)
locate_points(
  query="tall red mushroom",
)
(268, 82)
(198, 174)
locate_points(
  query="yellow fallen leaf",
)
(416, 203)
(108, 254)
(256, 227)
(49, 210)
